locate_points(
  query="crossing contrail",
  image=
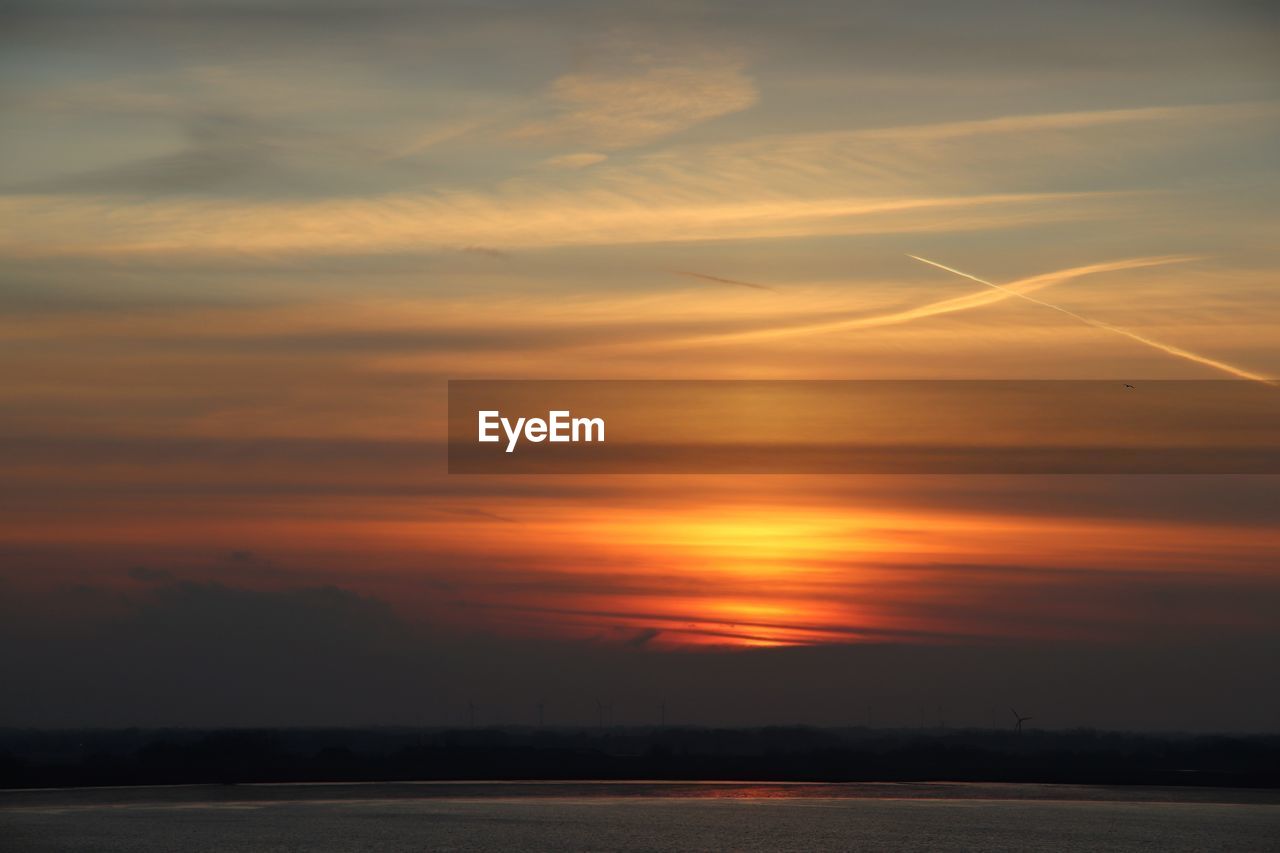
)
(1098, 324)
(969, 301)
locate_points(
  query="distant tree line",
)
(59, 758)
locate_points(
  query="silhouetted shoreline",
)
(87, 758)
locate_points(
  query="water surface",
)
(654, 816)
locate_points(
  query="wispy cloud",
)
(575, 161)
(518, 218)
(952, 176)
(1013, 151)
(1077, 120)
(639, 98)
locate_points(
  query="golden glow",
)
(236, 286)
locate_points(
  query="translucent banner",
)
(863, 426)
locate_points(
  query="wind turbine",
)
(1020, 720)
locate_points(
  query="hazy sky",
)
(246, 243)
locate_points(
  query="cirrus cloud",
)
(641, 101)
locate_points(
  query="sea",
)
(637, 816)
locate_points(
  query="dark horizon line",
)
(129, 757)
(508, 726)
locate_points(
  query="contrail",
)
(732, 281)
(931, 309)
(1098, 324)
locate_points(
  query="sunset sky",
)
(245, 246)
